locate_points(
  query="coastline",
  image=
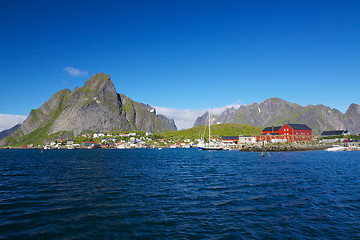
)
(284, 147)
(243, 148)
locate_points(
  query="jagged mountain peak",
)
(353, 106)
(276, 111)
(98, 81)
(94, 107)
(352, 118)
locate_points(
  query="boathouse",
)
(290, 132)
(295, 129)
(272, 129)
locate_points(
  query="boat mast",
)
(209, 126)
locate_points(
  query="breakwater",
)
(283, 147)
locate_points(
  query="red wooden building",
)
(230, 139)
(291, 132)
(273, 129)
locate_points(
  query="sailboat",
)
(208, 146)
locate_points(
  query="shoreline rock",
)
(284, 147)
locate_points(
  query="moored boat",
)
(336, 148)
(209, 146)
(212, 148)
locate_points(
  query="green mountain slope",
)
(95, 107)
(218, 130)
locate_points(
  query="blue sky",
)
(182, 55)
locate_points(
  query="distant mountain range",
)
(8, 132)
(276, 111)
(95, 107)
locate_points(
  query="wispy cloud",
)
(8, 121)
(185, 118)
(221, 109)
(75, 72)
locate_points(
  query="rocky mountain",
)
(94, 107)
(8, 132)
(276, 111)
(352, 118)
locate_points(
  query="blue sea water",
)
(178, 194)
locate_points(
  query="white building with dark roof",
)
(335, 133)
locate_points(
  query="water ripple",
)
(178, 194)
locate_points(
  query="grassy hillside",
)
(224, 129)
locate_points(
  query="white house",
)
(247, 139)
(98, 135)
(274, 140)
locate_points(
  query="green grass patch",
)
(219, 130)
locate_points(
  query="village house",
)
(98, 135)
(230, 140)
(334, 133)
(247, 139)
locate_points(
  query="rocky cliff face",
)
(276, 111)
(352, 118)
(94, 107)
(46, 113)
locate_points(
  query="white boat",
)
(209, 146)
(200, 145)
(212, 148)
(121, 146)
(336, 148)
